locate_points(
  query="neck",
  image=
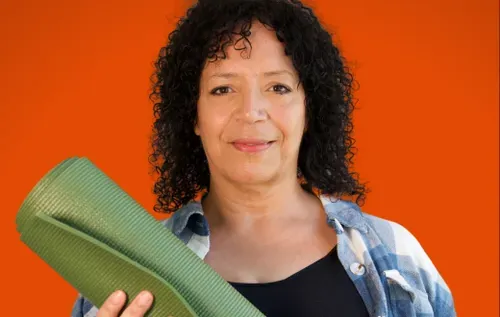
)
(238, 207)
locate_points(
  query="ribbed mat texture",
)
(99, 239)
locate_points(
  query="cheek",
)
(290, 119)
(211, 123)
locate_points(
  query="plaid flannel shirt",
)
(386, 263)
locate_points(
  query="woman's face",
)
(251, 115)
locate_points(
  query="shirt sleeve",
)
(83, 308)
(437, 290)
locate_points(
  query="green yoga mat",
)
(99, 239)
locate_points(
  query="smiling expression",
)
(251, 111)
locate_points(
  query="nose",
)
(253, 107)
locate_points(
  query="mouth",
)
(252, 146)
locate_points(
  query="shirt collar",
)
(190, 216)
(340, 213)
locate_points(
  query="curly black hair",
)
(201, 36)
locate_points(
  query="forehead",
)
(264, 52)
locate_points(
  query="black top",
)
(320, 289)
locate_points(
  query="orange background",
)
(74, 81)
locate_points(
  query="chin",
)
(252, 175)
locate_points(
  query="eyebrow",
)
(278, 72)
(266, 74)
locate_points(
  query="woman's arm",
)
(438, 292)
(83, 308)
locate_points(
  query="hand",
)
(114, 303)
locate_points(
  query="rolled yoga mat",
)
(99, 239)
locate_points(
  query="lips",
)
(252, 145)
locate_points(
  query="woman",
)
(253, 114)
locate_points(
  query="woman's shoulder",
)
(383, 238)
(403, 247)
(350, 215)
(398, 239)
(411, 264)
(390, 231)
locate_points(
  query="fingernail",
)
(117, 297)
(145, 299)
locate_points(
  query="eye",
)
(220, 91)
(280, 89)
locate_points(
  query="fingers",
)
(139, 305)
(112, 305)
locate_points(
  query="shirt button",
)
(358, 268)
